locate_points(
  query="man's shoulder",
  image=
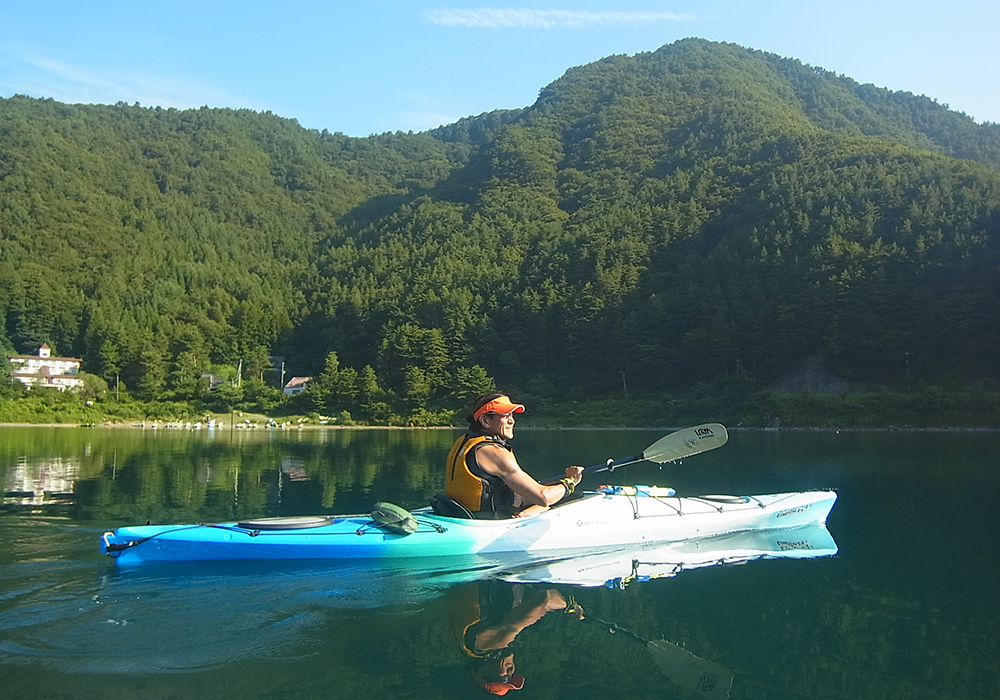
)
(498, 453)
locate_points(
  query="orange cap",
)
(501, 404)
(499, 688)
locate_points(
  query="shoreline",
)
(290, 428)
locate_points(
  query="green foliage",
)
(746, 406)
(931, 407)
(48, 406)
(470, 382)
(94, 387)
(655, 224)
(11, 389)
(226, 397)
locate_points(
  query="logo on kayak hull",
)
(598, 523)
(790, 511)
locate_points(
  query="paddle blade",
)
(687, 442)
(692, 673)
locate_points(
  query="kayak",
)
(597, 521)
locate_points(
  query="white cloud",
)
(504, 18)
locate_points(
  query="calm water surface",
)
(907, 608)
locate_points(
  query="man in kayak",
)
(482, 473)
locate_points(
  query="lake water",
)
(906, 609)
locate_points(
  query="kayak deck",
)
(591, 522)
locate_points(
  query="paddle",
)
(704, 678)
(669, 448)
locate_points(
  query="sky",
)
(371, 66)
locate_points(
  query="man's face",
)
(499, 424)
(507, 667)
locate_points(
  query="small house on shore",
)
(296, 385)
(44, 370)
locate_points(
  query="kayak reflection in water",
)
(482, 473)
(486, 616)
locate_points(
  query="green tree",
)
(416, 387)
(226, 397)
(110, 357)
(470, 382)
(152, 372)
(94, 386)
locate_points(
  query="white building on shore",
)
(43, 370)
(296, 385)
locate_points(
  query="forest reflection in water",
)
(877, 620)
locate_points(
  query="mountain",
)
(650, 222)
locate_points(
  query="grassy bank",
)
(735, 406)
(930, 408)
(42, 412)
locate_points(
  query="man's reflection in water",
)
(486, 617)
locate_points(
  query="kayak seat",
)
(449, 507)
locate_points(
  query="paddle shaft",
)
(676, 445)
(613, 628)
(608, 466)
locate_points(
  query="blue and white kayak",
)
(594, 522)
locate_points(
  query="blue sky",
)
(385, 65)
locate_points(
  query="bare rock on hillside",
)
(811, 376)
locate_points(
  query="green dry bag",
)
(394, 518)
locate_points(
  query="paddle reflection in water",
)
(488, 616)
(703, 678)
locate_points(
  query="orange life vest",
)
(484, 494)
(477, 605)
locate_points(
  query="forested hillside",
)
(651, 222)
